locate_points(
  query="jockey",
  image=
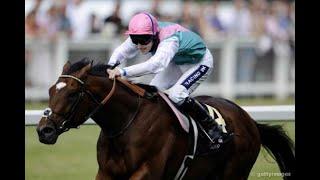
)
(181, 61)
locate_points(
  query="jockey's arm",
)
(159, 61)
(126, 50)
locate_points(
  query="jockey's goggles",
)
(141, 39)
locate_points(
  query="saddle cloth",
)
(183, 119)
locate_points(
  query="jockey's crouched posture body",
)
(181, 61)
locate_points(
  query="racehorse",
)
(141, 138)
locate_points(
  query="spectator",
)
(95, 26)
(79, 18)
(37, 5)
(32, 21)
(241, 27)
(292, 40)
(258, 10)
(264, 24)
(292, 29)
(187, 19)
(212, 26)
(32, 31)
(32, 28)
(50, 22)
(114, 20)
(155, 9)
(64, 23)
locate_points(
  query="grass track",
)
(74, 156)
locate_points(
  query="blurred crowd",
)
(267, 21)
(274, 20)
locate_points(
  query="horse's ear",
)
(85, 69)
(66, 67)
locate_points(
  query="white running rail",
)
(258, 113)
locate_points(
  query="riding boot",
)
(211, 127)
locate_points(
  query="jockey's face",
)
(144, 49)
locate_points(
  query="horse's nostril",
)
(47, 130)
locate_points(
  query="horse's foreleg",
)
(150, 170)
(142, 173)
(153, 168)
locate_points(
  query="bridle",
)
(65, 125)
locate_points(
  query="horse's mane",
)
(99, 69)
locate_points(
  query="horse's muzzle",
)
(47, 134)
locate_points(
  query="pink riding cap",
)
(143, 23)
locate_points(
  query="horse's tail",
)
(277, 143)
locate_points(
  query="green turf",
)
(74, 156)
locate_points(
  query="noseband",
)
(68, 116)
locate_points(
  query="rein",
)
(140, 91)
(63, 128)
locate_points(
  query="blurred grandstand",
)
(253, 42)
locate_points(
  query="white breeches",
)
(179, 81)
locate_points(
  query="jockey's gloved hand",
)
(115, 72)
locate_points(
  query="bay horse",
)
(141, 138)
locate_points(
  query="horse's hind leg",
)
(237, 168)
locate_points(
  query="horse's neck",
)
(118, 109)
